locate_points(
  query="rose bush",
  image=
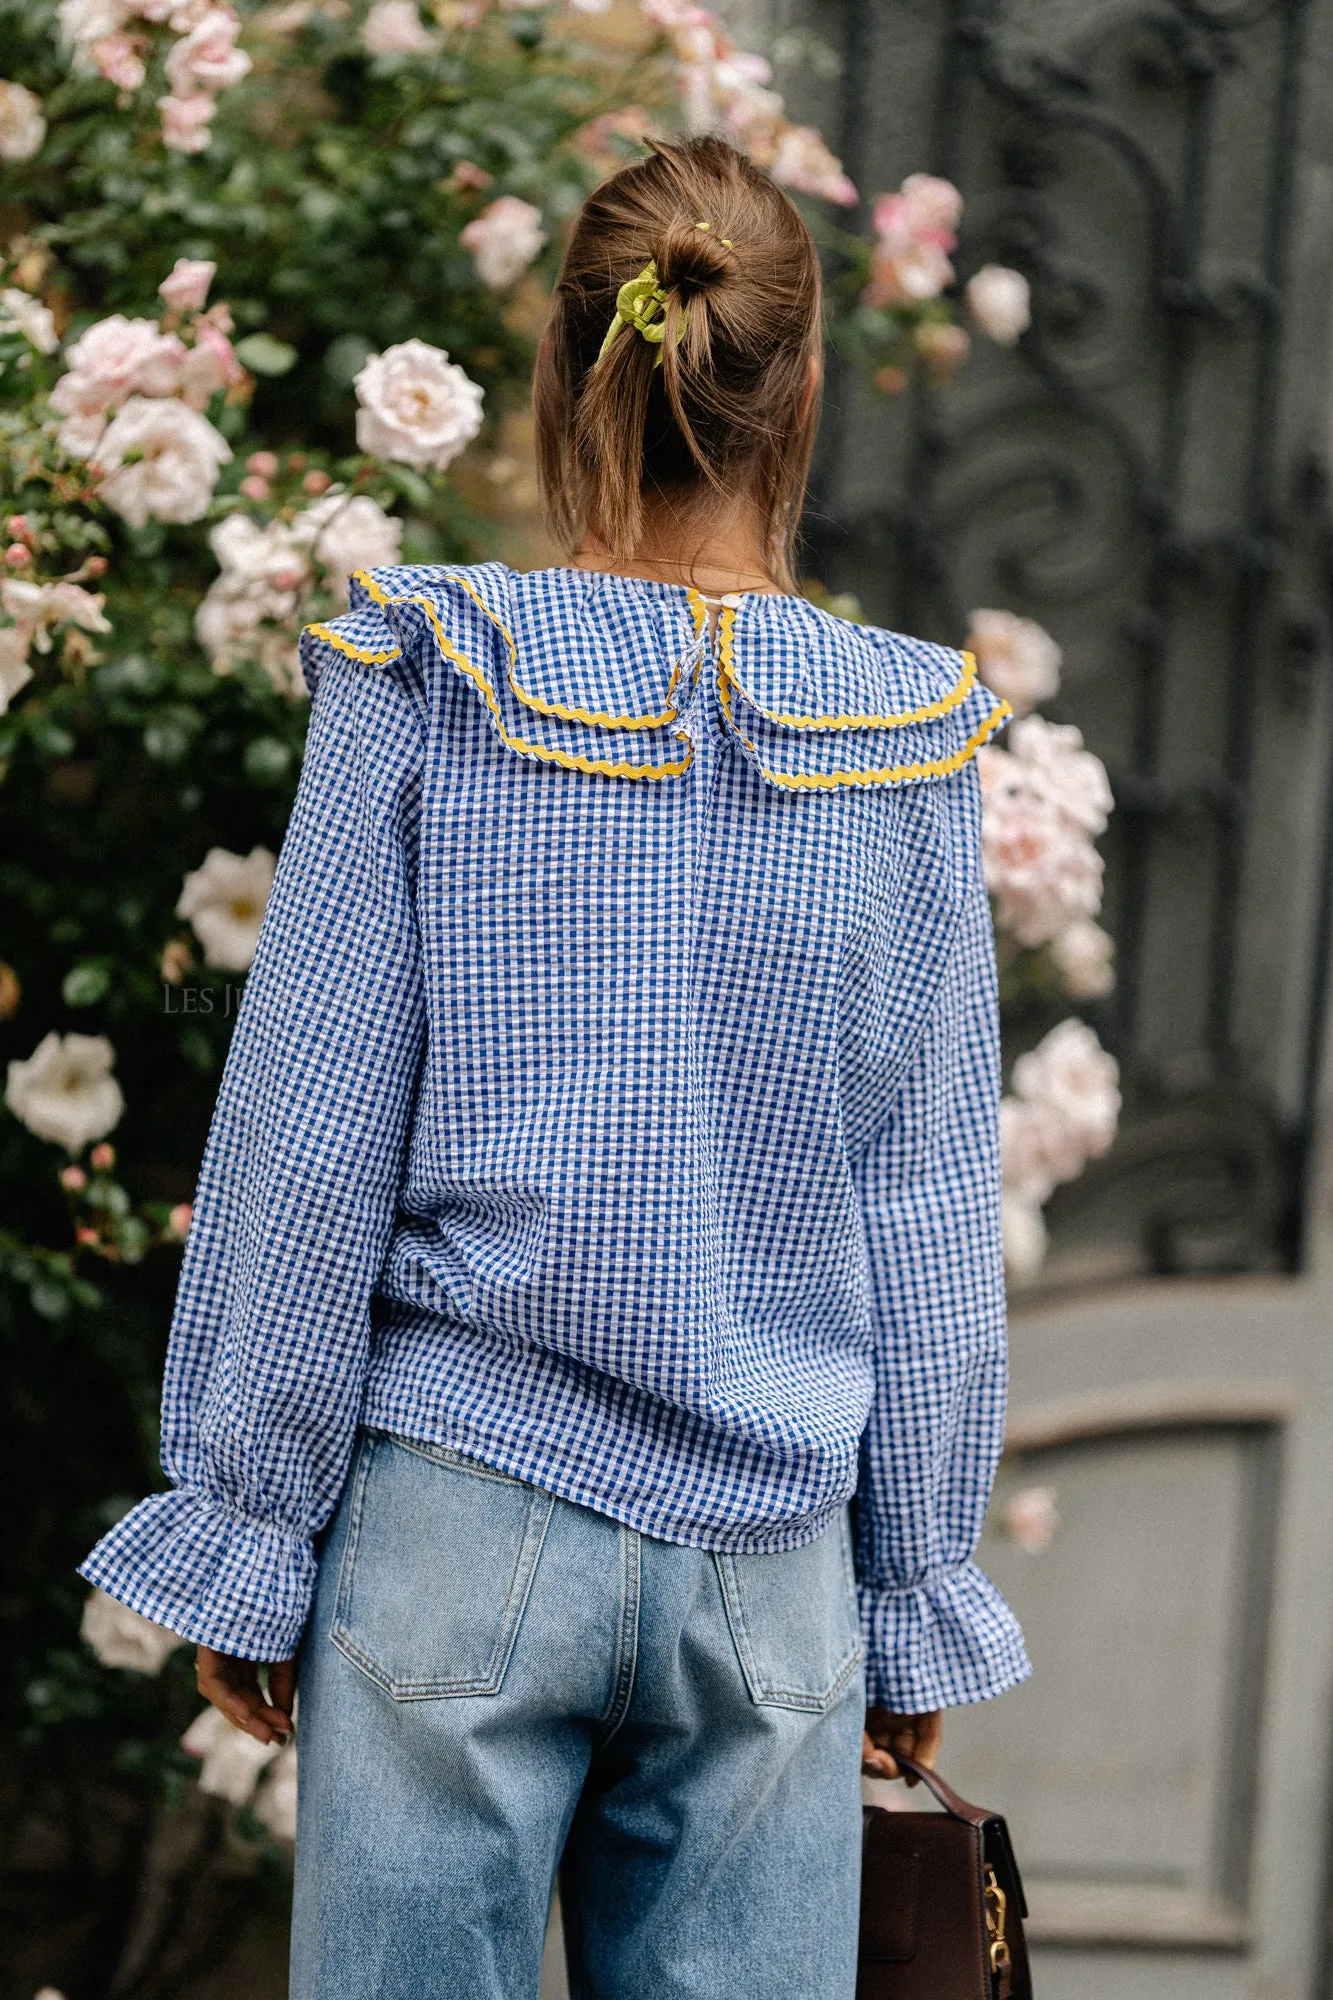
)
(269, 284)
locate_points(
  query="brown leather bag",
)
(941, 1903)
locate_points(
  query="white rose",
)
(177, 458)
(122, 1638)
(185, 286)
(1060, 769)
(65, 1091)
(1023, 1235)
(1041, 866)
(225, 902)
(207, 58)
(1084, 955)
(231, 1761)
(504, 239)
(353, 534)
(1000, 301)
(81, 433)
(29, 317)
(15, 673)
(260, 555)
(1016, 657)
(83, 22)
(1071, 1074)
(417, 406)
(238, 620)
(116, 358)
(22, 126)
(395, 28)
(249, 610)
(1033, 1149)
(275, 1806)
(37, 608)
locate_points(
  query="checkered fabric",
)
(614, 1098)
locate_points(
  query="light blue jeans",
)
(493, 1678)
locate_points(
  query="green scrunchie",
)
(640, 304)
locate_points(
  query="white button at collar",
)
(731, 600)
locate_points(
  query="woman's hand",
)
(233, 1687)
(917, 1736)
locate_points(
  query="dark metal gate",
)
(1146, 476)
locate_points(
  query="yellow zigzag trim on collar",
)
(564, 713)
(888, 774)
(364, 654)
(929, 711)
(568, 759)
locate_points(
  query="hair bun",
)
(691, 257)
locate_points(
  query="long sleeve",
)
(296, 1198)
(937, 1631)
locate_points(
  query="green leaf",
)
(84, 985)
(345, 357)
(51, 1301)
(133, 1237)
(267, 760)
(265, 354)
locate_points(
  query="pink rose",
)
(1041, 868)
(207, 59)
(504, 239)
(395, 28)
(186, 285)
(185, 121)
(914, 232)
(119, 58)
(209, 365)
(1030, 1518)
(466, 174)
(802, 161)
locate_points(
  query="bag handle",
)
(953, 1802)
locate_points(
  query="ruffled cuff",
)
(217, 1579)
(940, 1644)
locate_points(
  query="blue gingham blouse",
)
(614, 1099)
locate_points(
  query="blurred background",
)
(272, 277)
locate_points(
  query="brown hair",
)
(730, 408)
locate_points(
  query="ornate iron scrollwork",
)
(1131, 478)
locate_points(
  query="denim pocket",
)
(794, 1621)
(435, 1575)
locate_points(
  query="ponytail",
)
(708, 395)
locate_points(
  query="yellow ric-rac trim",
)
(602, 766)
(365, 654)
(896, 774)
(929, 711)
(888, 774)
(566, 712)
